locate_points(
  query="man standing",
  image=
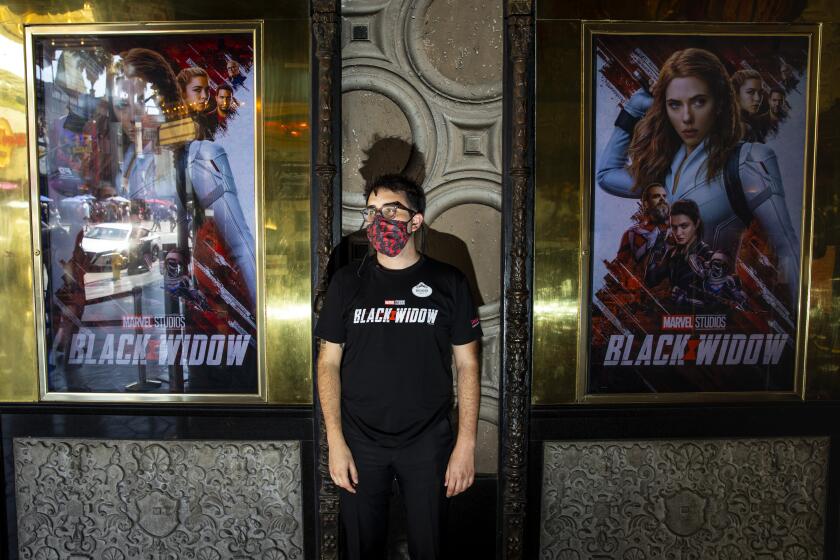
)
(156, 211)
(389, 329)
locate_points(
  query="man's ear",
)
(416, 222)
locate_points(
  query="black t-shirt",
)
(398, 328)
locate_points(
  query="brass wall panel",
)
(558, 186)
(286, 215)
(18, 362)
(18, 371)
(285, 210)
(823, 345)
(557, 212)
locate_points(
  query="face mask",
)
(388, 237)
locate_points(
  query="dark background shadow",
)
(452, 250)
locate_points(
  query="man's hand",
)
(460, 472)
(342, 468)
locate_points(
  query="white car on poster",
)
(137, 246)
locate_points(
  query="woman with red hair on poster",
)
(685, 133)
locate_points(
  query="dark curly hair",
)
(397, 183)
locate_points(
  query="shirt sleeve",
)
(330, 324)
(465, 324)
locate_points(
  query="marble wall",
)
(85, 499)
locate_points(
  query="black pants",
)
(420, 468)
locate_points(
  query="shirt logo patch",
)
(421, 290)
(394, 302)
(474, 322)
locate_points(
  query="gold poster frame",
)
(589, 30)
(255, 29)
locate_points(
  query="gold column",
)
(18, 343)
(822, 373)
(557, 212)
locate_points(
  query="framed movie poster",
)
(145, 147)
(699, 152)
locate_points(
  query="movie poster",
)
(697, 199)
(146, 173)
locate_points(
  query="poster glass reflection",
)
(699, 160)
(145, 173)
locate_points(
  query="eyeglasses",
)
(388, 211)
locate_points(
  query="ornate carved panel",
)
(363, 35)
(475, 145)
(122, 499)
(727, 499)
